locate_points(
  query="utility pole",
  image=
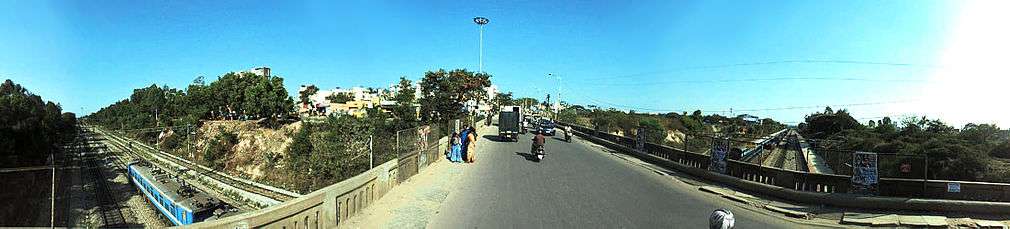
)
(481, 21)
(557, 107)
(189, 139)
(371, 159)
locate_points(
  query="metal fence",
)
(418, 147)
(889, 165)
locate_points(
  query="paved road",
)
(578, 185)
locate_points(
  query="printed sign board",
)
(953, 187)
(865, 178)
(720, 147)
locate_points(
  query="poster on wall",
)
(720, 147)
(865, 178)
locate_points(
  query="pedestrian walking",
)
(456, 150)
(464, 141)
(471, 145)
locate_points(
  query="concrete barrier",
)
(815, 188)
(326, 207)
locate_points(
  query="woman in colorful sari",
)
(471, 145)
(456, 150)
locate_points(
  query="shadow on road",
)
(528, 156)
(560, 138)
(496, 138)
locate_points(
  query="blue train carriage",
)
(179, 202)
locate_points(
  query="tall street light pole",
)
(557, 107)
(481, 21)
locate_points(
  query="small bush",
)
(219, 148)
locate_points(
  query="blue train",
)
(179, 202)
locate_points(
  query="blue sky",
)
(756, 56)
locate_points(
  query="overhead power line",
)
(600, 101)
(847, 62)
(752, 80)
(821, 106)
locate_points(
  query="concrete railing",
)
(327, 207)
(895, 193)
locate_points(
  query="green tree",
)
(980, 134)
(503, 99)
(328, 152)
(405, 103)
(30, 127)
(1001, 150)
(219, 149)
(341, 97)
(443, 93)
(655, 133)
(303, 96)
(821, 125)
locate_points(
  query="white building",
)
(259, 71)
(490, 93)
(361, 98)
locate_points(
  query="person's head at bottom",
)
(721, 219)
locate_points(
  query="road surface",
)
(578, 185)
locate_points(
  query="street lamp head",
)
(480, 20)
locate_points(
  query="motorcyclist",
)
(538, 141)
(568, 133)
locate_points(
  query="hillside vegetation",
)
(970, 153)
(30, 127)
(243, 124)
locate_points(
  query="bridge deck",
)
(577, 185)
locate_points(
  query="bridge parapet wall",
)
(327, 207)
(895, 193)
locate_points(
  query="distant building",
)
(361, 99)
(750, 119)
(259, 71)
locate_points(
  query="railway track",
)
(108, 207)
(109, 210)
(783, 157)
(131, 155)
(203, 171)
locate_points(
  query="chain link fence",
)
(418, 147)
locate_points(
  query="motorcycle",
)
(538, 152)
